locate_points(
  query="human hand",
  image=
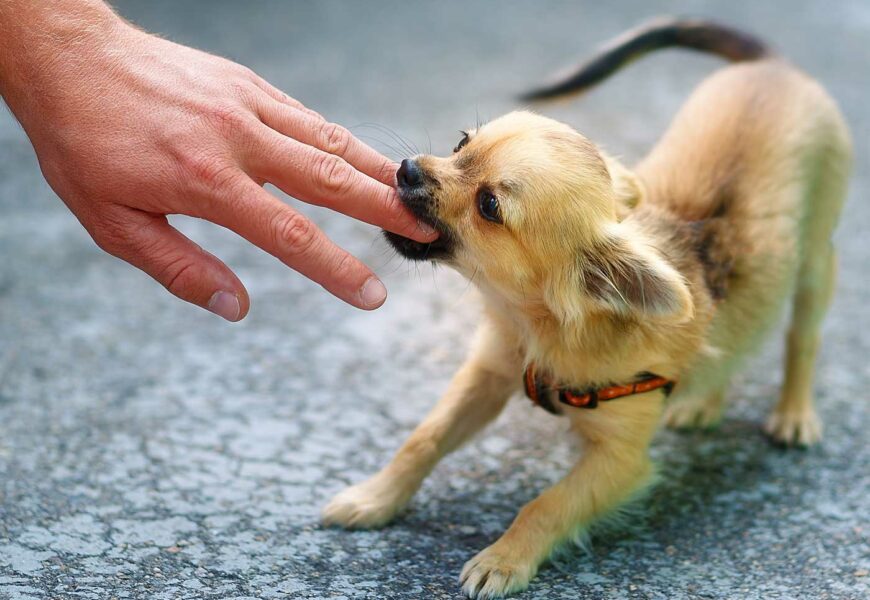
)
(129, 128)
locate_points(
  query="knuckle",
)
(294, 233)
(345, 267)
(178, 275)
(333, 174)
(209, 171)
(241, 90)
(334, 139)
(229, 118)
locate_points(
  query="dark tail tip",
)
(703, 36)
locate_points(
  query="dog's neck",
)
(597, 346)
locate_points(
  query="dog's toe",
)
(692, 415)
(794, 429)
(494, 574)
(362, 506)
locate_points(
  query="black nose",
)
(409, 174)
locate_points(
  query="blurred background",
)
(149, 449)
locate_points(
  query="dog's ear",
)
(621, 276)
(627, 277)
(627, 187)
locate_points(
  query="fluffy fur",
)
(599, 272)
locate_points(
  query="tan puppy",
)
(600, 276)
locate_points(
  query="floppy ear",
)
(627, 187)
(629, 278)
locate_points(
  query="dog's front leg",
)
(614, 467)
(476, 395)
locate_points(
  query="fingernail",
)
(426, 228)
(373, 293)
(226, 305)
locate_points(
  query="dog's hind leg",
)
(701, 412)
(794, 420)
(698, 399)
(476, 395)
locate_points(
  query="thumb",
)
(150, 243)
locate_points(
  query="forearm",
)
(42, 41)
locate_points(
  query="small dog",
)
(620, 298)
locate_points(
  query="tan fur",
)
(600, 272)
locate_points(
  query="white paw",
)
(794, 429)
(692, 415)
(495, 574)
(370, 504)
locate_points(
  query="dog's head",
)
(531, 210)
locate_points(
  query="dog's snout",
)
(409, 174)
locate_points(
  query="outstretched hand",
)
(129, 128)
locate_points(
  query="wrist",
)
(44, 41)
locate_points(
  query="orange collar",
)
(539, 388)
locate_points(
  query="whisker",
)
(398, 139)
(469, 283)
(397, 154)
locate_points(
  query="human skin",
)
(129, 128)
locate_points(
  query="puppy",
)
(619, 298)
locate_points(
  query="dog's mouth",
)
(420, 203)
(413, 250)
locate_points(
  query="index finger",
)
(331, 138)
(292, 238)
(325, 179)
(290, 117)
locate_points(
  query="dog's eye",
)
(462, 142)
(488, 207)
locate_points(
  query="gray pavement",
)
(150, 450)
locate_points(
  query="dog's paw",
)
(794, 429)
(692, 415)
(367, 505)
(495, 573)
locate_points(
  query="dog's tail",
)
(703, 36)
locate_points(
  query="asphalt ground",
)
(151, 450)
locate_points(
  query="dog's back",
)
(757, 117)
(748, 132)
